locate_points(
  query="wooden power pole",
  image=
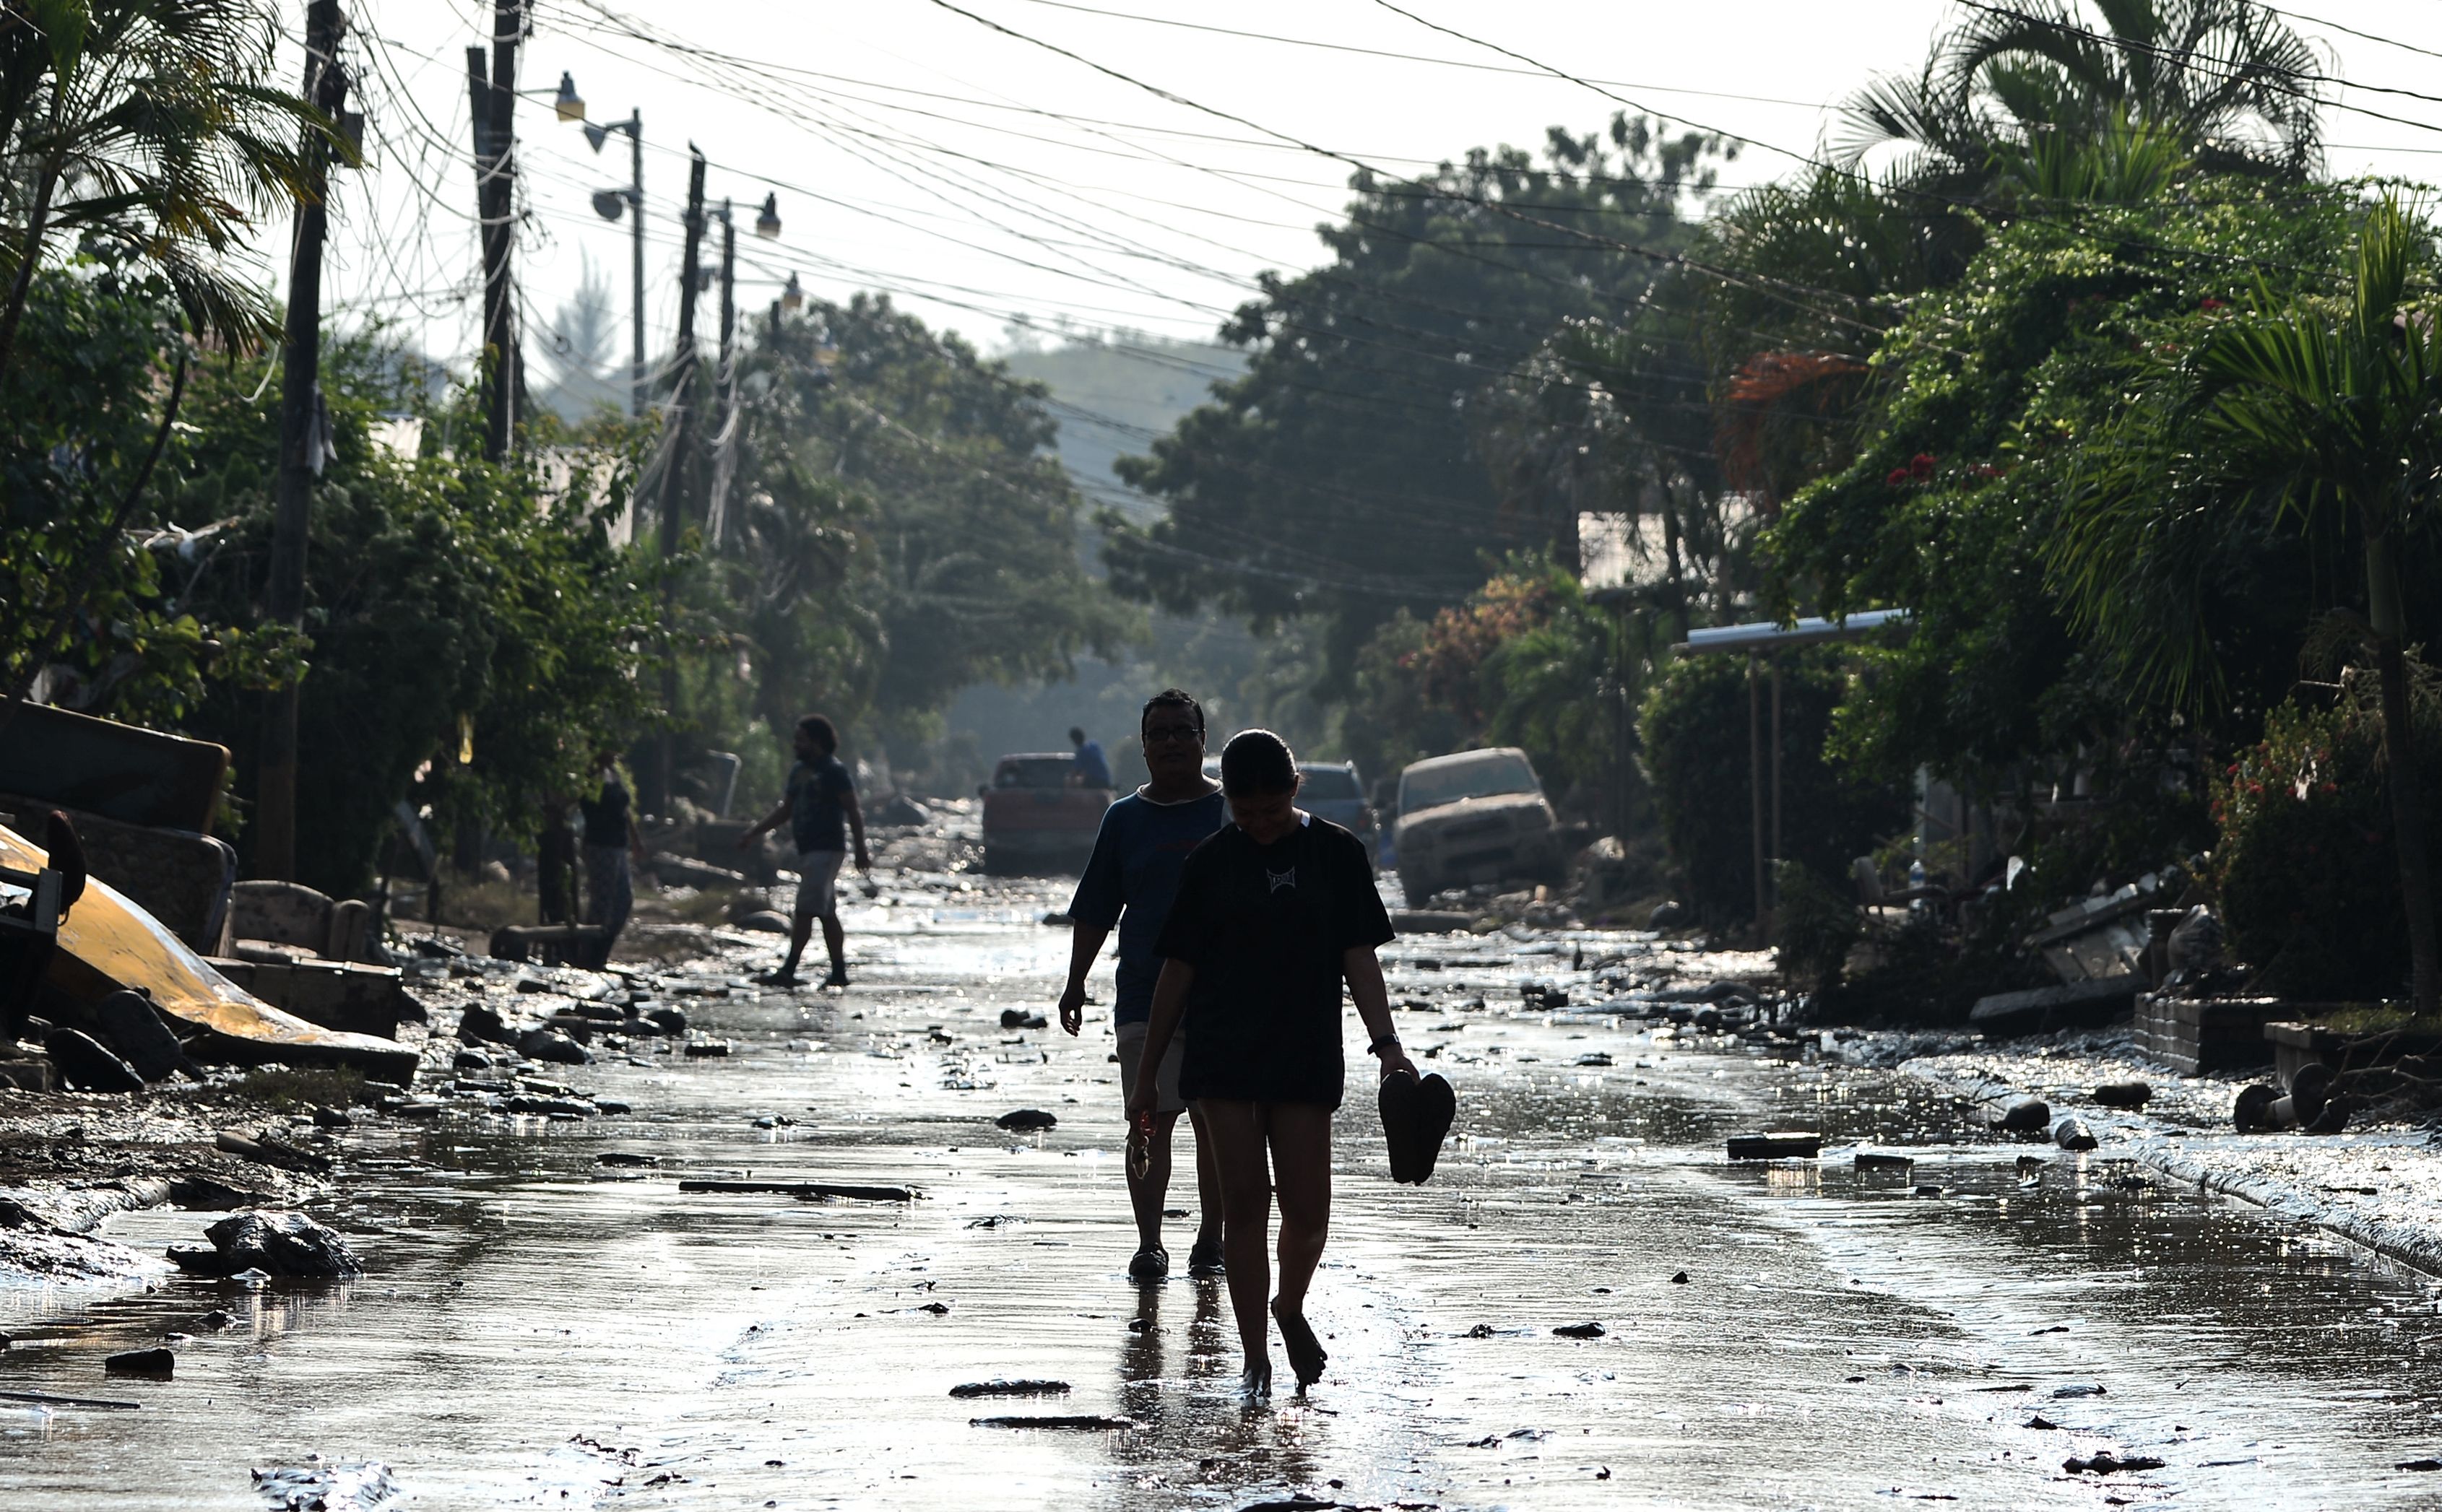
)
(683, 405)
(305, 442)
(493, 94)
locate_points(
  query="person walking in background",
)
(1129, 881)
(1272, 915)
(1093, 767)
(821, 808)
(610, 839)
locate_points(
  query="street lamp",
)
(768, 224)
(610, 203)
(793, 299)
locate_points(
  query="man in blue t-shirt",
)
(1093, 767)
(1133, 873)
(821, 808)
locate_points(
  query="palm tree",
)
(2227, 79)
(149, 126)
(2308, 413)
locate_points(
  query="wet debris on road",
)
(624, 1159)
(1785, 1144)
(314, 1486)
(1026, 1120)
(1585, 1330)
(1020, 1018)
(2107, 1463)
(2123, 1094)
(55, 1399)
(1079, 1422)
(276, 1244)
(1884, 1161)
(803, 1190)
(2072, 1134)
(157, 1363)
(2025, 1115)
(1009, 1388)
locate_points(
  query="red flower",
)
(1896, 476)
(2209, 303)
(1921, 464)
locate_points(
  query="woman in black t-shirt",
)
(1273, 914)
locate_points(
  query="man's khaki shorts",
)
(1132, 1040)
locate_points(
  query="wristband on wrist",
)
(1386, 1042)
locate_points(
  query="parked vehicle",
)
(1332, 790)
(1475, 816)
(1036, 820)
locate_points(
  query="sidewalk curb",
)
(2156, 1148)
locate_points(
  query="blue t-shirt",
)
(817, 819)
(1093, 767)
(1137, 857)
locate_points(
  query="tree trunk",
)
(31, 257)
(2400, 772)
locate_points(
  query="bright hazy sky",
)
(979, 178)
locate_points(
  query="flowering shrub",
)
(2307, 877)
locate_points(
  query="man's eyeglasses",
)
(1157, 734)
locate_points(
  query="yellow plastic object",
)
(107, 943)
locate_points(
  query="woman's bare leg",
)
(1300, 1144)
(1239, 1157)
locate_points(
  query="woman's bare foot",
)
(1307, 1356)
(1255, 1381)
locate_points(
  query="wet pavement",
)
(539, 1328)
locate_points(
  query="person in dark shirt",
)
(1272, 915)
(1138, 856)
(610, 839)
(1093, 767)
(820, 806)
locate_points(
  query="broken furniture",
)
(179, 877)
(118, 771)
(107, 944)
(298, 950)
(142, 803)
(550, 942)
(277, 922)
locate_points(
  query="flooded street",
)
(540, 1327)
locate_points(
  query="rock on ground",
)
(277, 1243)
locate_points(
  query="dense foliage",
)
(1345, 475)
(1694, 725)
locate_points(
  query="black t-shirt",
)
(606, 817)
(1264, 927)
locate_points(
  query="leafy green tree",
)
(475, 635)
(88, 444)
(2306, 408)
(1698, 757)
(1345, 476)
(151, 127)
(963, 567)
(1998, 398)
(2224, 79)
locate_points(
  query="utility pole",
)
(640, 388)
(493, 96)
(304, 441)
(724, 462)
(682, 385)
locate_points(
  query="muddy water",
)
(540, 1329)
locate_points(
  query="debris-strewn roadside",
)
(2380, 1186)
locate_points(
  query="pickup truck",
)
(1037, 820)
(1475, 816)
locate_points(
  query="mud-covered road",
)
(540, 1328)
